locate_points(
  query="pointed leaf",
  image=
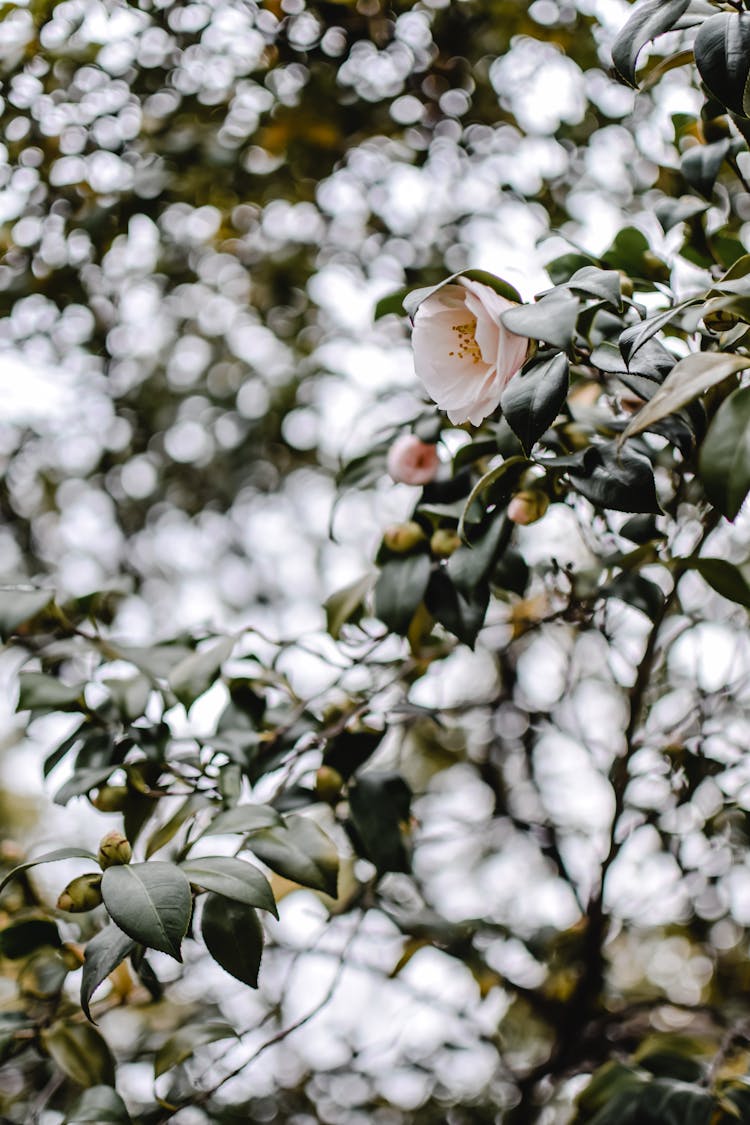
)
(686, 381)
(723, 577)
(649, 19)
(195, 674)
(342, 605)
(243, 819)
(417, 296)
(722, 55)
(618, 479)
(724, 461)
(234, 937)
(701, 165)
(151, 902)
(19, 604)
(103, 954)
(233, 878)
(300, 851)
(167, 831)
(400, 588)
(552, 318)
(48, 857)
(533, 399)
(380, 804)
(99, 1105)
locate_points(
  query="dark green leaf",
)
(670, 211)
(533, 398)
(243, 819)
(640, 529)
(103, 953)
(687, 380)
(725, 578)
(460, 615)
(552, 318)
(649, 19)
(417, 296)
(193, 804)
(499, 481)
(391, 303)
(595, 282)
(195, 673)
(469, 566)
(100, 1105)
(151, 902)
(380, 806)
(637, 591)
(724, 462)
(399, 589)
(80, 1052)
(350, 749)
(701, 164)
(722, 55)
(344, 604)
(300, 851)
(233, 878)
(21, 938)
(234, 937)
(41, 693)
(618, 479)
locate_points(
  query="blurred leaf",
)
(244, 819)
(233, 878)
(103, 954)
(701, 164)
(635, 590)
(469, 566)
(23, 937)
(151, 902)
(380, 808)
(349, 750)
(462, 615)
(47, 857)
(41, 693)
(505, 474)
(193, 804)
(724, 577)
(724, 461)
(19, 604)
(649, 19)
(83, 781)
(417, 296)
(300, 851)
(234, 937)
(80, 1052)
(195, 674)
(689, 378)
(99, 1105)
(342, 606)
(670, 211)
(183, 1043)
(400, 588)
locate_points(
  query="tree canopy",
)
(375, 571)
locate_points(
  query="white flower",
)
(462, 352)
(411, 461)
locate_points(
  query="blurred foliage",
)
(506, 831)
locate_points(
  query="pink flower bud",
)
(411, 461)
(528, 507)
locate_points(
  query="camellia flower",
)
(462, 352)
(411, 461)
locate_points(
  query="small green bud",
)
(110, 798)
(114, 850)
(83, 893)
(403, 537)
(626, 284)
(328, 782)
(444, 542)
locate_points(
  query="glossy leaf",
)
(722, 55)
(400, 588)
(151, 902)
(300, 851)
(724, 462)
(618, 479)
(649, 19)
(725, 578)
(533, 398)
(103, 954)
(688, 379)
(48, 857)
(234, 937)
(551, 319)
(233, 878)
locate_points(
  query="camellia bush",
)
(516, 804)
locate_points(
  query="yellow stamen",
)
(467, 342)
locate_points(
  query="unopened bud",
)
(110, 798)
(528, 507)
(626, 284)
(654, 268)
(328, 782)
(114, 850)
(403, 537)
(444, 542)
(83, 893)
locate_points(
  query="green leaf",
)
(379, 804)
(83, 781)
(533, 398)
(461, 614)
(391, 303)
(399, 589)
(634, 338)
(100, 1105)
(595, 282)
(19, 604)
(722, 55)
(686, 381)
(151, 902)
(233, 878)
(48, 857)
(552, 318)
(41, 693)
(723, 577)
(701, 164)
(80, 1052)
(196, 802)
(637, 591)
(234, 937)
(469, 566)
(103, 953)
(300, 851)
(343, 605)
(670, 211)
(195, 674)
(350, 749)
(183, 1043)
(649, 19)
(618, 479)
(506, 474)
(417, 296)
(627, 251)
(724, 460)
(243, 819)
(21, 938)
